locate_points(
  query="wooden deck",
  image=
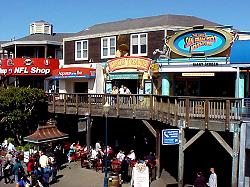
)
(215, 114)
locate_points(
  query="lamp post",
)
(106, 108)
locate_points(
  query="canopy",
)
(240, 52)
(46, 133)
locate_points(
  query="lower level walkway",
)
(79, 177)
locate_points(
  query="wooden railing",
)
(197, 112)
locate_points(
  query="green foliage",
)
(25, 147)
(22, 109)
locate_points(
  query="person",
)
(120, 156)
(97, 146)
(44, 160)
(131, 155)
(121, 90)
(126, 90)
(212, 182)
(200, 180)
(17, 170)
(6, 171)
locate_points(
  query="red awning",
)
(74, 72)
(46, 133)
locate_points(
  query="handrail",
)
(157, 107)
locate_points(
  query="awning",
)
(73, 72)
(240, 52)
(46, 133)
(125, 75)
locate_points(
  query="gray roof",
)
(146, 22)
(58, 37)
(2, 42)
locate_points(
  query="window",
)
(81, 50)
(138, 44)
(108, 47)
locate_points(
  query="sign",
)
(198, 74)
(170, 136)
(74, 72)
(140, 175)
(128, 62)
(125, 75)
(207, 41)
(28, 66)
(82, 125)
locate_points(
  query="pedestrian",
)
(17, 170)
(200, 180)
(212, 182)
(6, 171)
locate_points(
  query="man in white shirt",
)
(131, 155)
(212, 182)
(44, 161)
(120, 156)
(121, 90)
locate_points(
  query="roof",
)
(154, 21)
(2, 42)
(46, 133)
(58, 37)
(240, 52)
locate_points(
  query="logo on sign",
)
(209, 41)
(170, 136)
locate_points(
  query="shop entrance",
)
(81, 87)
(132, 84)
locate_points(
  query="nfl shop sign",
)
(30, 66)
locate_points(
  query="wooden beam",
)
(235, 162)
(158, 153)
(222, 142)
(150, 128)
(181, 158)
(193, 139)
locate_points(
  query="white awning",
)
(197, 69)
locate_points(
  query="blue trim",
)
(240, 52)
(185, 60)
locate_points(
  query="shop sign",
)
(128, 62)
(75, 72)
(125, 76)
(207, 41)
(31, 66)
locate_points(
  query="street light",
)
(106, 108)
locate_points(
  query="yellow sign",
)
(129, 62)
(197, 74)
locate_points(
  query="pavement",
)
(81, 177)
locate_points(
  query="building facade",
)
(31, 59)
(121, 52)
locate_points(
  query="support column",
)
(239, 84)
(181, 158)
(88, 135)
(158, 153)
(242, 160)
(165, 85)
(236, 145)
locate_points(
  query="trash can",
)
(114, 180)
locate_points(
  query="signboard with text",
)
(209, 41)
(170, 136)
(28, 66)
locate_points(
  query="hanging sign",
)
(140, 175)
(128, 62)
(206, 41)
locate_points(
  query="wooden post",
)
(176, 113)
(181, 158)
(77, 106)
(158, 153)
(151, 106)
(65, 104)
(89, 103)
(168, 111)
(54, 104)
(186, 112)
(242, 158)
(236, 145)
(117, 105)
(227, 114)
(206, 113)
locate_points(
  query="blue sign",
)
(207, 41)
(170, 136)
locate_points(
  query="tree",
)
(21, 109)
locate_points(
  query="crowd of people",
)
(118, 162)
(201, 181)
(40, 169)
(122, 90)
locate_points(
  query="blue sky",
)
(75, 15)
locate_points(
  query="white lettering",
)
(3, 71)
(37, 70)
(21, 70)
